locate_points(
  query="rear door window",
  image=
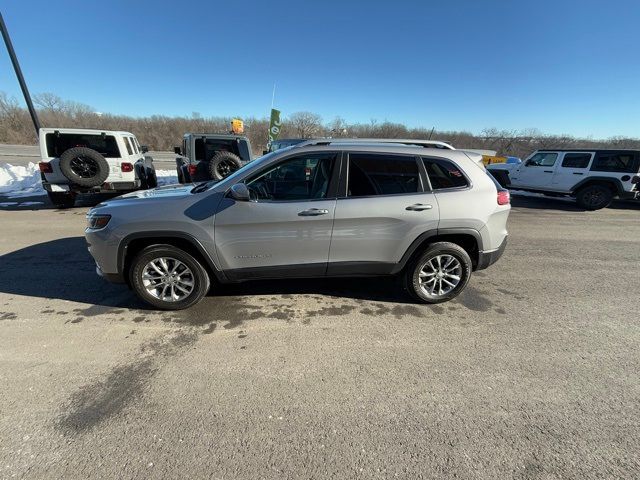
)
(373, 174)
(128, 145)
(444, 174)
(134, 145)
(626, 162)
(576, 160)
(106, 145)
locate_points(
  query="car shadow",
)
(566, 204)
(545, 203)
(63, 269)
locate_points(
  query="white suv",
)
(592, 177)
(92, 161)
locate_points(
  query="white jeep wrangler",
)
(78, 160)
(592, 177)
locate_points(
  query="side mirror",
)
(144, 148)
(264, 152)
(240, 192)
(177, 150)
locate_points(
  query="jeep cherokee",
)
(318, 209)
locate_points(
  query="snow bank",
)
(17, 181)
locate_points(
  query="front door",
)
(285, 231)
(536, 171)
(572, 169)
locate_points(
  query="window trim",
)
(331, 187)
(448, 189)
(343, 188)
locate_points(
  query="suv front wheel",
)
(439, 274)
(168, 278)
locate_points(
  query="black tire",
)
(223, 164)
(62, 199)
(198, 276)
(152, 179)
(142, 176)
(84, 166)
(594, 197)
(444, 250)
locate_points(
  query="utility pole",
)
(16, 67)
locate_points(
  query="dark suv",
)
(207, 156)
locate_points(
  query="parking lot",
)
(531, 373)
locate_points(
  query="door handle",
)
(548, 171)
(418, 207)
(313, 212)
(578, 173)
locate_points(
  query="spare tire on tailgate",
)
(223, 164)
(84, 166)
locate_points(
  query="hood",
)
(161, 192)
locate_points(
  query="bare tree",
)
(306, 124)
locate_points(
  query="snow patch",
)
(18, 181)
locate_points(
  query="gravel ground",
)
(531, 373)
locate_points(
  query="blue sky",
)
(559, 66)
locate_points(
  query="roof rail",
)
(403, 141)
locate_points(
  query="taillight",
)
(126, 167)
(503, 197)
(192, 169)
(45, 167)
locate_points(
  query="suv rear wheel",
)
(439, 274)
(594, 197)
(168, 278)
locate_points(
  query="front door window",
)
(304, 177)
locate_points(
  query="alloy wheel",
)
(168, 279)
(439, 275)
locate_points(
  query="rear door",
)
(383, 206)
(572, 169)
(286, 230)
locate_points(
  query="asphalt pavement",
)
(531, 373)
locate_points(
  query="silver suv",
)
(318, 209)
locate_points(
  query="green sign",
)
(274, 125)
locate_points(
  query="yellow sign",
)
(237, 126)
(489, 159)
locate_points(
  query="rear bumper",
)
(633, 195)
(104, 188)
(486, 259)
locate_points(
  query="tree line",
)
(161, 132)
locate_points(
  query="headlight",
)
(96, 222)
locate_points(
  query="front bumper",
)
(486, 259)
(111, 277)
